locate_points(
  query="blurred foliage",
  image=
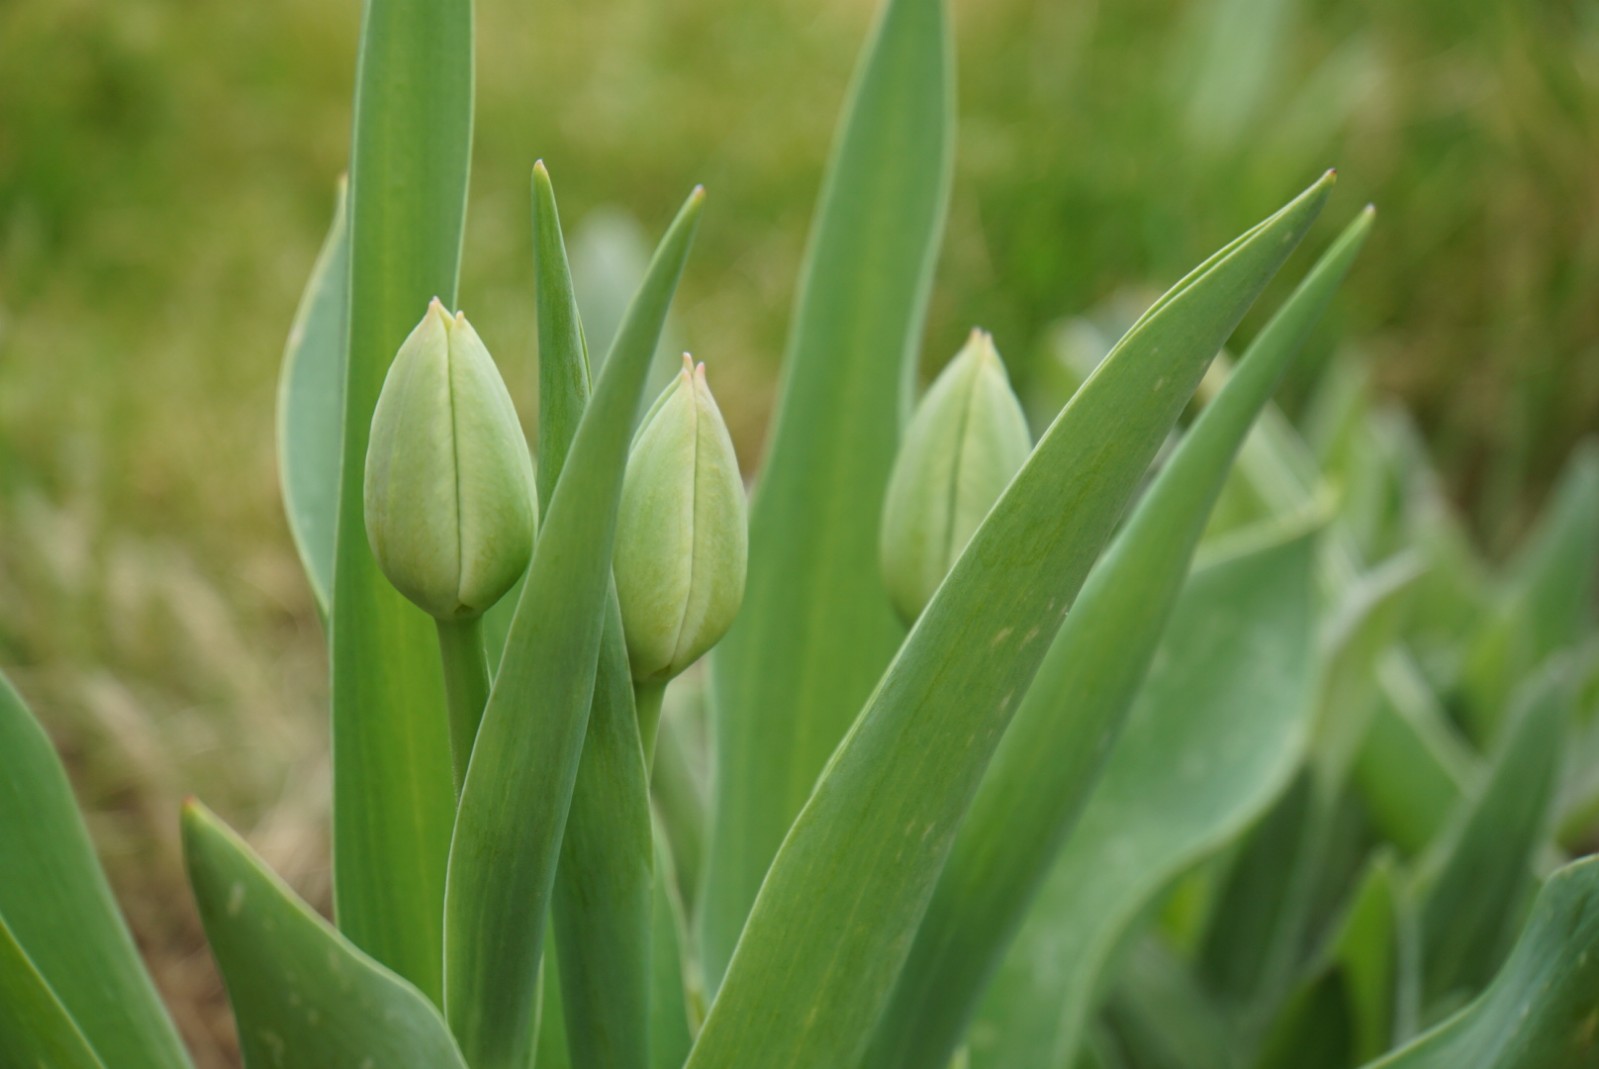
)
(167, 168)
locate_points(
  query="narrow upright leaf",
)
(57, 908)
(816, 629)
(804, 990)
(1217, 730)
(303, 994)
(1048, 761)
(311, 406)
(1476, 880)
(514, 804)
(393, 792)
(1539, 1011)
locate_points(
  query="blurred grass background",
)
(167, 168)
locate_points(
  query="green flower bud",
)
(965, 442)
(682, 539)
(450, 509)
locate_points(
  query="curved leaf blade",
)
(1539, 1011)
(302, 993)
(1046, 765)
(816, 628)
(393, 789)
(311, 406)
(518, 790)
(58, 908)
(1219, 727)
(899, 784)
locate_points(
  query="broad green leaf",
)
(1159, 1012)
(603, 882)
(1218, 728)
(1343, 1010)
(816, 629)
(1413, 768)
(303, 994)
(1539, 1011)
(57, 907)
(1046, 765)
(311, 406)
(35, 1029)
(1547, 600)
(518, 788)
(393, 789)
(1474, 882)
(902, 779)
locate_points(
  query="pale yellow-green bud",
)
(682, 539)
(450, 508)
(966, 440)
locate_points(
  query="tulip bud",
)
(965, 442)
(450, 509)
(682, 539)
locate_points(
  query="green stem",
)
(647, 700)
(466, 686)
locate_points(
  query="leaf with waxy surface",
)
(311, 406)
(897, 788)
(1539, 1011)
(816, 629)
(1045, 767)
(518, 788)
(59, 911)
(1218, 728)
(1474, 882)
(35, 1029)
(303, 994)
(393, 789)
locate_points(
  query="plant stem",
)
(647, 699)
(466, 686)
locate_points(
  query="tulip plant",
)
(1178, 738)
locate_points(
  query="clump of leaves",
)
(1022, 755)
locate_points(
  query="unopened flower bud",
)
(450, 509)
(966, 440)
(682, 539)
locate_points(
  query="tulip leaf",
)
(59, 913)
(311, 406)
(303, 994)
(393, 789)
(1476, 879)
(1045, 767)
(1538, 1013)
(35, 1029)
(519, 785)
(602, 902)
(902, 779)
(672, 995)
(1220, 725)
(816, 629)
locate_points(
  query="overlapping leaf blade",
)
(603, 883)
(518, 788)
(311, 406)
(35, 1029)
(393, 791)
(816, 629)
(1074, 708)
(303, 994)
(1539, 1011)
(827, 937)
(1219, 727)
(58, 910)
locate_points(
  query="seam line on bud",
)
(693, 522)
(951, 514)
(455, 466)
